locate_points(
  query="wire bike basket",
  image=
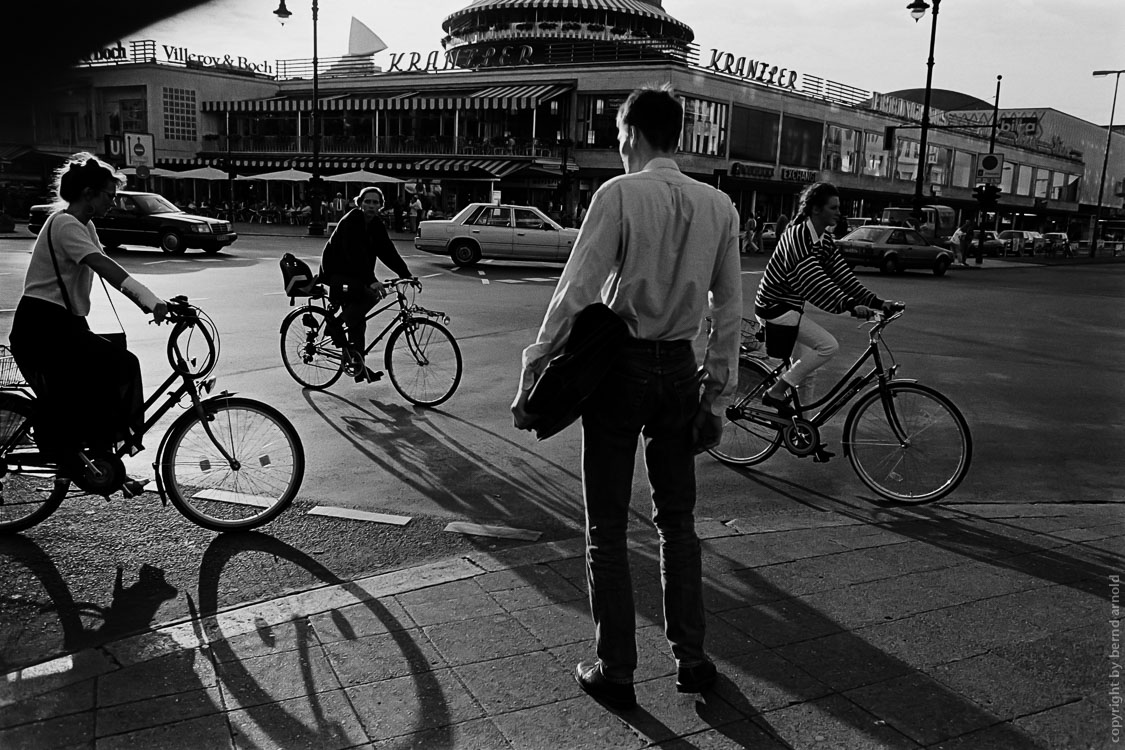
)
(10, 375)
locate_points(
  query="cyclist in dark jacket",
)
(348, 266)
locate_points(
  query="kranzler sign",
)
(757, 71)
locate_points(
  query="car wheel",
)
(941, 265)
(171, 242)
(464, 254)
(889, 264)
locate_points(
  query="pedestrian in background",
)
(415, 213)
(964, 241)
(654, 245)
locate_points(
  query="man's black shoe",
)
(696, 679)
(617, 695)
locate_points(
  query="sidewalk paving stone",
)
(490, 637)
(142, 714)
(354, 621)
(174, 673)
(407, 705)
(276, 677)
(325, 721)
(211, 732)
(834, 722)
(383, 656)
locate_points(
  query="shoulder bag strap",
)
(55, 262)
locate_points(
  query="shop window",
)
(704, 129)
(939, 165)
(754, 135)
(1042, 182)
(906, 159)
(962, 169)
(1064, 187)
(180, 119)
(1007, 177)
(134, 115)
(876, 161)
(1023, 180)
(802, 142)
(841, 149)
(598, 120)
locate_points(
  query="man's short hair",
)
(657, 113)
(816, 195)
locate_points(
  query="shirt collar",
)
(661, 162)
(812, 231)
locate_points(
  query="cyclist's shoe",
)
(781, 404)
(133, 487)
(369, 375)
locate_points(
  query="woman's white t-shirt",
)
(72, 241)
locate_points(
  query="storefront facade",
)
(522, 101)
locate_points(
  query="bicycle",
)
(226, 463)
(422, 358)
(906, 441)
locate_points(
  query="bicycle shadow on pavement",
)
(274, 678)
(1003, 545)
(416, 448)
(28, 638)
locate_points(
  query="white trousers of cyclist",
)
(814, 347)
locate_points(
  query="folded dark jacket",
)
(570, 378)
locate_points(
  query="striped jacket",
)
(801, 270)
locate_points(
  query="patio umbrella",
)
(285, 175)
(200, 173)
(152, 172)
(362, 175)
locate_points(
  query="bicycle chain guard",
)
(104, 476)
(801, 437)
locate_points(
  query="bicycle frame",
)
(843, 391)
(405, 312)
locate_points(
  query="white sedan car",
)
(503, 232)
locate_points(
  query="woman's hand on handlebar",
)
(159, 311)
(890, 307)
(863, 312)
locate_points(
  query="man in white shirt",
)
(661, 250)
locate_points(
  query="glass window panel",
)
(963, 175)
(1007, 176)
(802, 142)
(906, 159)
(1023, 180)
(1042, 182)
(876, 161)
(754, 135)
(704, 129)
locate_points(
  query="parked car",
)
(1057, 242)
(152, 220)
(499, 231)
(893, 249)
(1022, 242)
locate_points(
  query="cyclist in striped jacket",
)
(807, 267)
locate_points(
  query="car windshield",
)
(870, 234)
(153, 204)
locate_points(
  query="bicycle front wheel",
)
(930, 459)
(308, 350)
(423, 362)
(745, 443)
(29, 491)
(239, 469)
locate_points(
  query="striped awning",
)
(631, 7)
(515, 96)
(498, 168)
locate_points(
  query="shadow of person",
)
(134, 607)
(281, 728)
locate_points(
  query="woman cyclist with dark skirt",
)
(88, 388)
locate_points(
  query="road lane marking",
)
(359, 515)
(483, 281)
(430, 276)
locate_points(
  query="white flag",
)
(363, 41)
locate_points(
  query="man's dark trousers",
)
(651, 390)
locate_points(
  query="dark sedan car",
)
(893, 249)
(150, 219)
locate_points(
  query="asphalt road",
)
(1034, 356)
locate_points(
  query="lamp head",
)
(282, 13)
(918, 9)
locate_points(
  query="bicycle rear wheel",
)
(29, 491)
(933, 456)
(310, 355)
(259, 481)
(743, 442)
(423, 362)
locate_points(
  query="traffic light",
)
(987, 196)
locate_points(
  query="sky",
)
(1045, 50)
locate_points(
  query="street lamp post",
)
(918, 9)
(1105, 162)
(316, 218)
